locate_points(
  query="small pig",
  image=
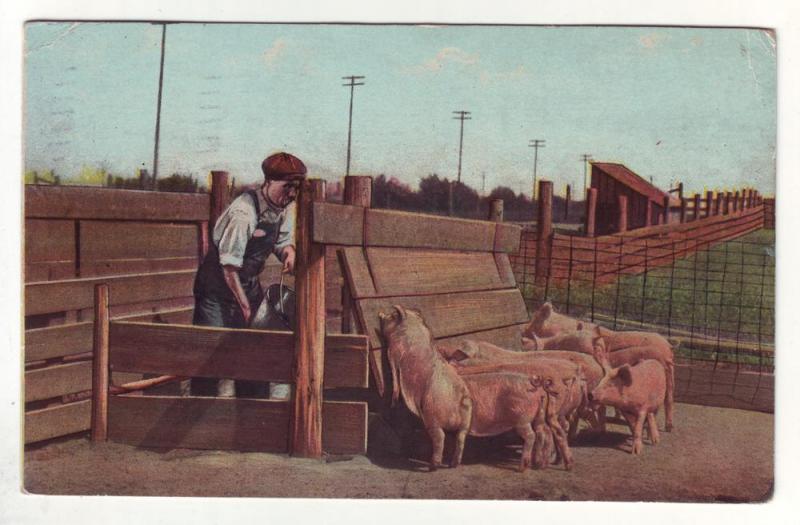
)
(579, 341)
(636, 391)
(431, 388)
(562, 381)
(503, 401)
(546, 322)
(617, 340)
(662, 353)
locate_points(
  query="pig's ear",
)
(624, 373)
(400, 311)
(458, 355)
(546, 310)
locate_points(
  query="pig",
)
(638, 392)
(565, 389)
(431, 388)
(503, 401)
(546, 322)
(660, 352)
(477, 353)
(582, 341)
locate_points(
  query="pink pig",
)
(546, 322)
(636, 391)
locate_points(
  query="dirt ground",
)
(713, 454)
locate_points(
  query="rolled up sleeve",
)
(233, 242)
(286, 230)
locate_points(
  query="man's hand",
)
(288, 256)
(246, 313)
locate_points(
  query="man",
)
(259, 222)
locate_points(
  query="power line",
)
(585, 159)
(535, 144)
(355, 80)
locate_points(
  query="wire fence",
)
(714, 301)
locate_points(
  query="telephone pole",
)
(158, 107)
(535, 144)
(355, 80)
(462, 116)
(483, 184)
(585, 159)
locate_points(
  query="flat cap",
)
(283, 166)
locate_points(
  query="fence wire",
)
(715, 301)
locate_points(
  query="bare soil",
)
(714, 454)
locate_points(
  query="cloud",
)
(652, 40)
(487, 77)
(445, 56)
(274, 52)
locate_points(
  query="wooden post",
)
(357, 192)
(100, 370)
(648, 212)
(718, 205)
(743, 201)
(666, 210)
(680, 190)
(622, 217)
(735, 202)
(496, 210)
(709, 203)
(726, 204)
(544, 227)
(309, 336)
(219, 197)
(696, 215)
(683, 210)
(591, 211)
(566, 202)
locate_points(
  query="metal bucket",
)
(277, 310)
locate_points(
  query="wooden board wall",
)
(257, 425)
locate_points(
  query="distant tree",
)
(178, 182)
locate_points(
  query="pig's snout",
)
(590, 397)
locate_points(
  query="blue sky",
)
(697, 105)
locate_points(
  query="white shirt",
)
(238, 222)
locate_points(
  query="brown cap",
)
(283, 166)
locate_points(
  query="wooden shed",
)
(645, 201)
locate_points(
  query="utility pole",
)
(535, 144)
(462, 116)
(585, 159)
(483, 183)
(158, 107)
(355, 80)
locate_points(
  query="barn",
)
(645, 201)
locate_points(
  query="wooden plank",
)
(507, 237)
(337, 224)
(450, 314)
(76, 202)
(57, 341)
(61, 420)
(56, 381)
(113, 240)
(74, 294)
(724, 388)
(49, 240)
(49, 271)
(137, 266)
(249, 425)
(504, 270)
(509, 337)
(357, 272)
(344, 427)
(255, 425)
(408, 271)
(415, 230)
(258, 355)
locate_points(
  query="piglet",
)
(637, 392)
(546, 322)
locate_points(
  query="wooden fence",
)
(144, 245)
(546, 255)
